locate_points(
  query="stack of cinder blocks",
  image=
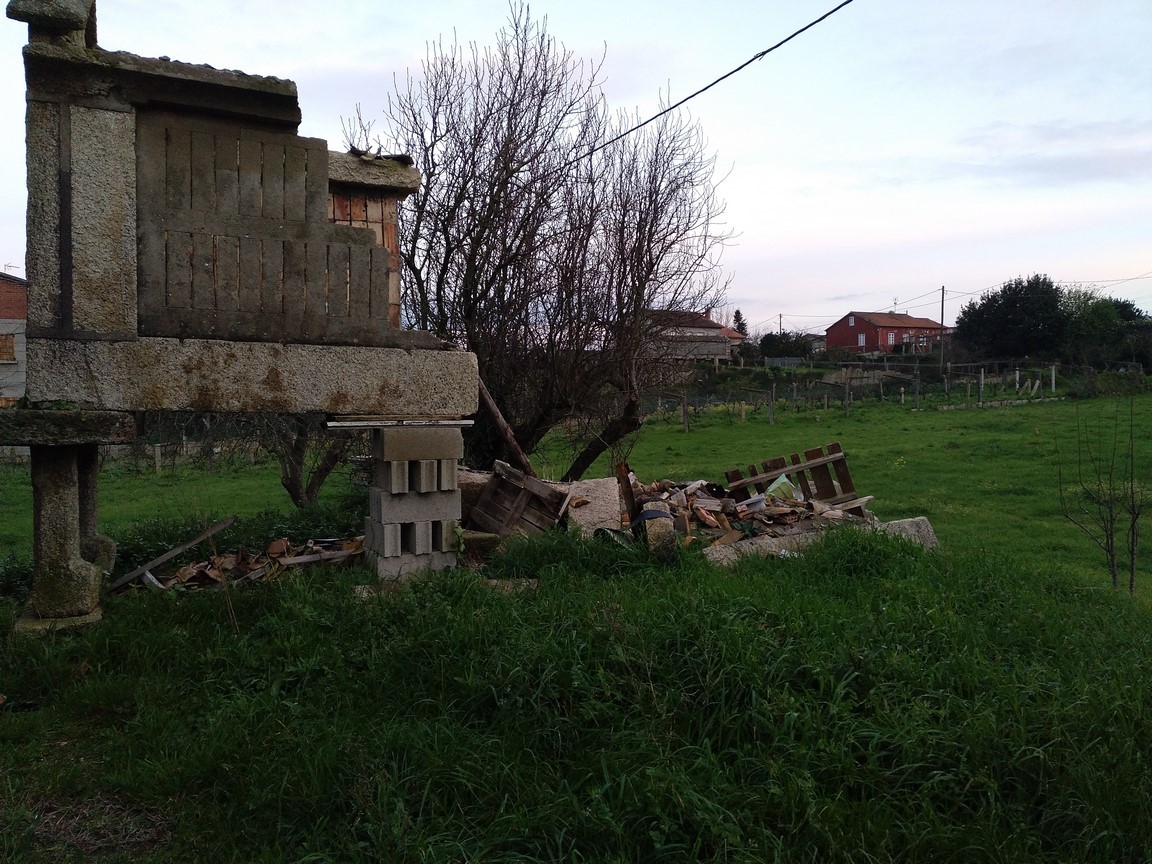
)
(414, 500)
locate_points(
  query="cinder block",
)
(391, 536)
(387, 508)
(444, 536)
(411, 443)
(423, 475)
(404, 568)
(397, 477)
(448, 474)
(416, 538)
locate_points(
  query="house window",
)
(907, 337)
(859, 340)
(7, 348)
(851, 320)
(891, 337)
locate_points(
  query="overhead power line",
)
(704, 89)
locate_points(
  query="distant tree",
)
(785, 344)
(1023, 318)
(739, 324)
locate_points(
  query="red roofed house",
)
(13, 318)
(884, 332)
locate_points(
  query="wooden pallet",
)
(821, 476)
(514, 501)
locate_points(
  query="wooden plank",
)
(178, 169)
(295, 183)
(273, 181)
(843, 475)
(151, 164)
(227, 273)
(251, 274)
(203, 272)
(801, 477)
(203, 172)
(736, 487)
(272, 286)
(179, 269)
(171, 553)
(251, 173)
(818, 468)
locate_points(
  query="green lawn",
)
(986, 478)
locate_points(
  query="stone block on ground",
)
(602, 509)
(759, 547)
(917, 529)
(660, 531)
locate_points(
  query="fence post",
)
(980, 397)
(916, 382)
(1053, 380)
(684, 411)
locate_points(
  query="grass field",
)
(864, 702)
(986, 478)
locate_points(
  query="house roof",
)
(16, 280)
(733, 334)
(682, 318)
(895, 319)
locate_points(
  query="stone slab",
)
(31, 624)
(51, 14)
(103, 220)
(158, 374)
(389, 173)
(917, 529)
(413, 507)
(759, 547)
(602, 509)
(65, 428)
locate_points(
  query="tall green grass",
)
(866, 701)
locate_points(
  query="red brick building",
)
(884, 332)
(13, 320)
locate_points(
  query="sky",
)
(897, 148)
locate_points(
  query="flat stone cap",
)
(394, 173)
(65, 428)
(62, 15)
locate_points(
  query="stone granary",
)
(188, 251)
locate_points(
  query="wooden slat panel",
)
(337, 280)
(227, 273)
(273, 181)
(251, 274)
(736, 488)
(777, 464)
(227, 176)
(295, 181)
(179, 269)
(251, 170)
(359, 280)
(295, 273)
(203, 272)
(272, 289)
(203, 172)
(178, 170)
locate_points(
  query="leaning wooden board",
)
(822, 475)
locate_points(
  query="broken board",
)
(821, 474)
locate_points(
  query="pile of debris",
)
(774, 508)
(237, 568)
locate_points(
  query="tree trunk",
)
(627, 423)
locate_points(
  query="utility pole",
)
(780, 323)
(941, 329)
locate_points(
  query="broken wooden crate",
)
(514, 501)
(821, 474)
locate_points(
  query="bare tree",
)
(541, 259)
